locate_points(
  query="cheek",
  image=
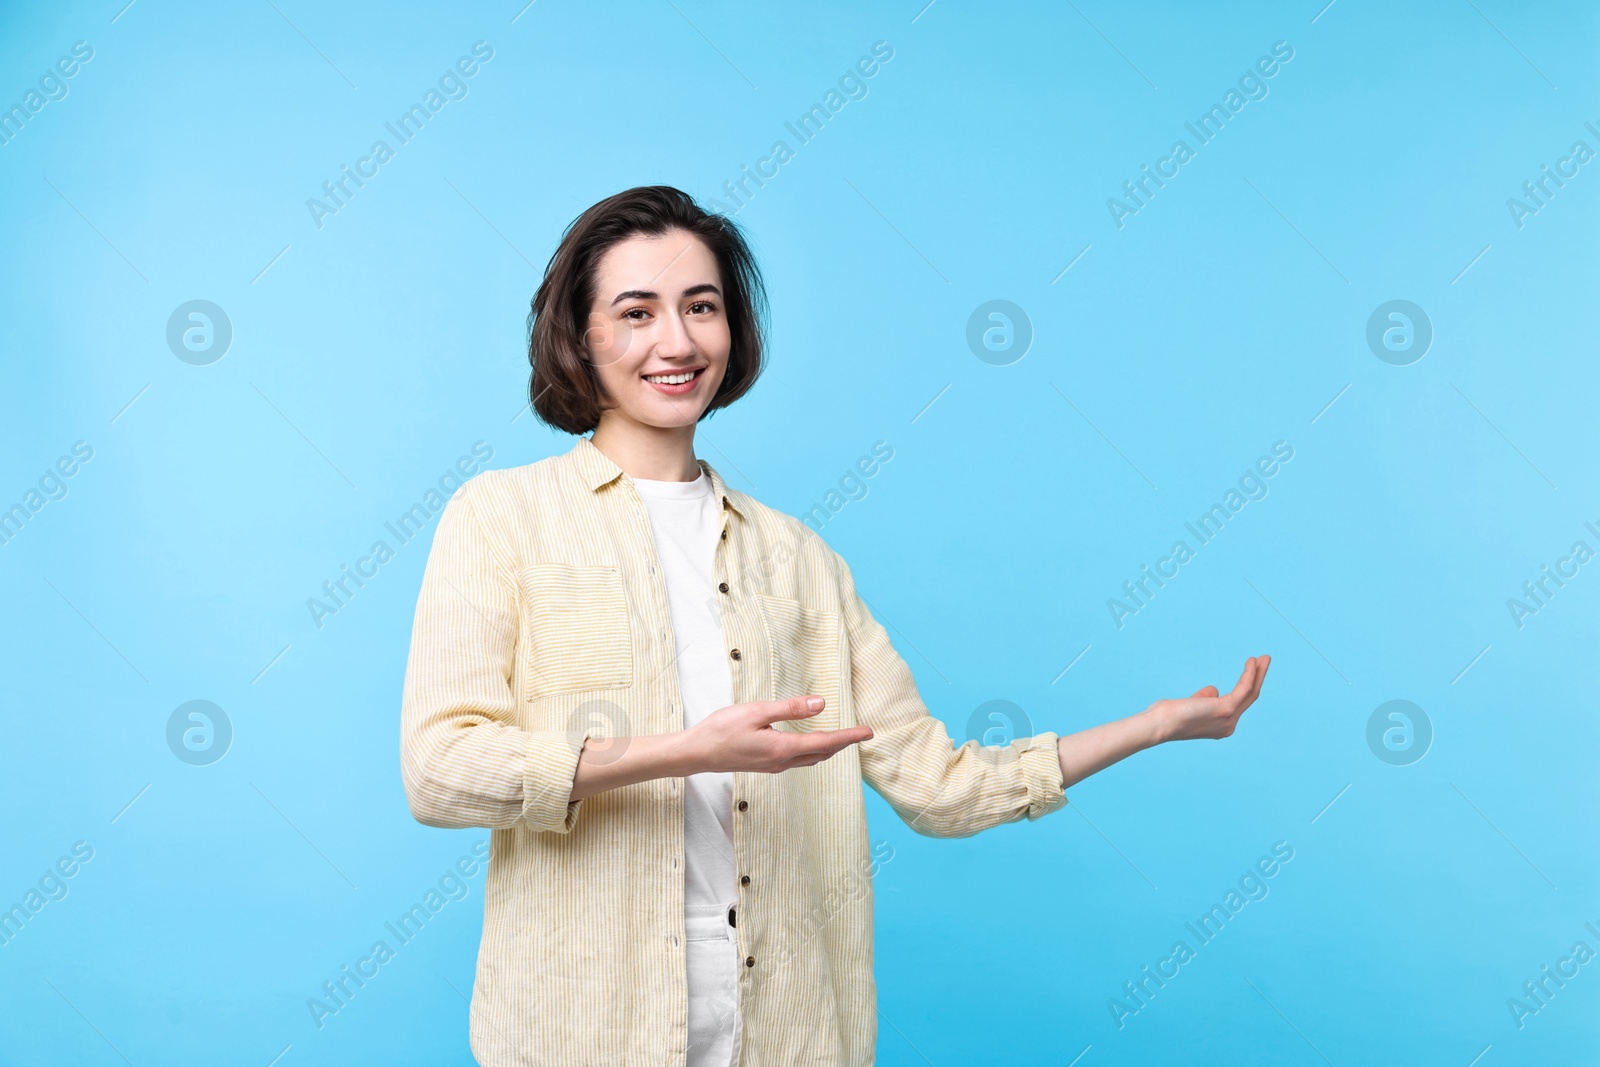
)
(714, 342)
(607, 342)
(619, 378)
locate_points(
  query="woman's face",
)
(658, 315)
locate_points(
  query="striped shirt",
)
(543, 621)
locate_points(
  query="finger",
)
(1247, 677)
(803, 749)
(770, 711)
(812, 757)
(1262, 663)
(827, 742)
(1206, 691)
(1238, 697)
(1259, 675)
(810, 760)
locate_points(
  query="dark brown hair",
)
(564, 388)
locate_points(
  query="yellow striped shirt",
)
(543, 621)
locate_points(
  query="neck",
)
(656, 453)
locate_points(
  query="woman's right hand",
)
(741, 737)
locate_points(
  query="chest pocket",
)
(578, 628)
(805, 658)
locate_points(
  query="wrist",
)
(1158, 730)
(686, 754)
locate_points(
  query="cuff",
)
(550, 765)
(1040, 764)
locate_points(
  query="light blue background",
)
(1228, 314)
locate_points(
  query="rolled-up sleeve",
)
(463, 760)
(938, 788)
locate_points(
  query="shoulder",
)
(507, 489)
(504, 506)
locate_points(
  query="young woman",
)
(664, 697)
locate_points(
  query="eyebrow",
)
(646, 294)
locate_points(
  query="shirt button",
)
(722, 587)
(735, 654)
(743, 804)
(749, 961)
(744, 879)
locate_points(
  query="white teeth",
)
(670, 379)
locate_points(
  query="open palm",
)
(1208, 714)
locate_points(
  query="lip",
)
(680, 389)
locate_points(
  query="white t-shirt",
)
(686, 520)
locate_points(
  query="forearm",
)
(620, 761)
(1090, 751)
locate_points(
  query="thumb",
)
(792, 708)
(1206, 691)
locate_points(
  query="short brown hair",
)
(563, 388)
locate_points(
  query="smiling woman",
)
(676, 793)
(698, 311)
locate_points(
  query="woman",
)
(664, 696)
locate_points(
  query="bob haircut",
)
(563, 388)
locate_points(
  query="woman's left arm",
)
(1205, 714)
(941, 789)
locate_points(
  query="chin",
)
(671, 419)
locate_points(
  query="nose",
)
(674, 341)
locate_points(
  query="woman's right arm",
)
(736, 738)
(463, 760)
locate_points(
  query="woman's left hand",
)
(1206, 714)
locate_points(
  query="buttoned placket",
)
(659, 623)
(726, 600)
(662, 623)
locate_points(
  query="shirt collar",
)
(596, 469)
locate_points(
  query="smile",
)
(679, 382)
